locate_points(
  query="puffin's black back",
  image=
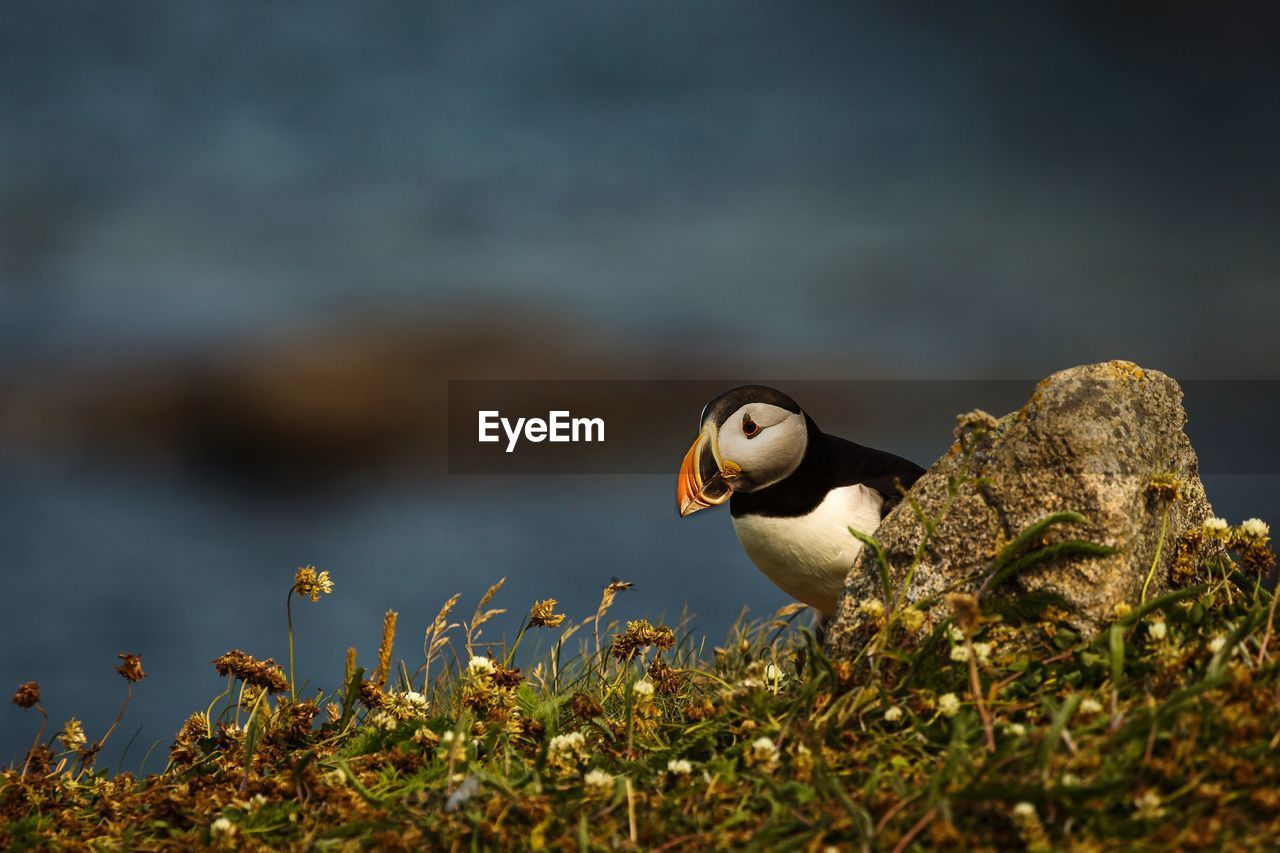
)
(830, 462)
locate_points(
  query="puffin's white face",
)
(765, 442)
(751, 438)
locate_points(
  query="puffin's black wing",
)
(876, 469)
(829, 463)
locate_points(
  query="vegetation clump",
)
(998, 726)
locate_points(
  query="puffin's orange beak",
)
(703, 482)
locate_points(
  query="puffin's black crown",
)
(719, 409)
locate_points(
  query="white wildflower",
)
(567, 742)
(1216, 527)
(679, 767)
(222, 828)
(643, 688)
(960, 653)
(567, 751)
(1016, 730)
(1024, 811)
(1157, 630)
(949, 704)
(481, 666)
(256, 802)
(772, 674)
(1148, 805)
(1255, 528)
(893, 714)
(872, 608)
(983, 651)
(1216, 644)
(1089, 705)
(455, 745)
(957, 636)
(763, 751)
(598, 782)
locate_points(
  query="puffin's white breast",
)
(808, 556)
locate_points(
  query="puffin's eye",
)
(749, 427)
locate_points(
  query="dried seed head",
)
(584, 707)
(1164, 487)
(965, 608)
(27, 695)
(975, 421)
(186, 744)
(543, 614)
(265, 674)
(384, 648)
(312, 584)
(638, 635)
(131, 668)
(72, 736)
(665, 678)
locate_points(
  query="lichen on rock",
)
(1104, 440)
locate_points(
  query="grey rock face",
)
(1091, 439)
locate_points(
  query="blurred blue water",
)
(926, 191)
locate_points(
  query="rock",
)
(1100, 440)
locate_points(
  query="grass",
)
(998, 726)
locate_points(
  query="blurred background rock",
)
(242, 250)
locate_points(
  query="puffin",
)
(793, 490)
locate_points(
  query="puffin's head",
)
(751, 437)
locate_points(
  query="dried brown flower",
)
(543, 614)
(974, 421)
(39, 760)
(312, 584)
(372, 696)
(131, 668)
(585, 707)
(265, 674)
(699, 710)
(965, 608)
(1186, 557)
(27, 695)
(504, 677)
(186, 743)
(297, 720)
(638, 635)
(1164, 487)
(1257, 558)
(666, 679)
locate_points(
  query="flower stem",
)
(288, 613)
(1164, 524)
(35, 742)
